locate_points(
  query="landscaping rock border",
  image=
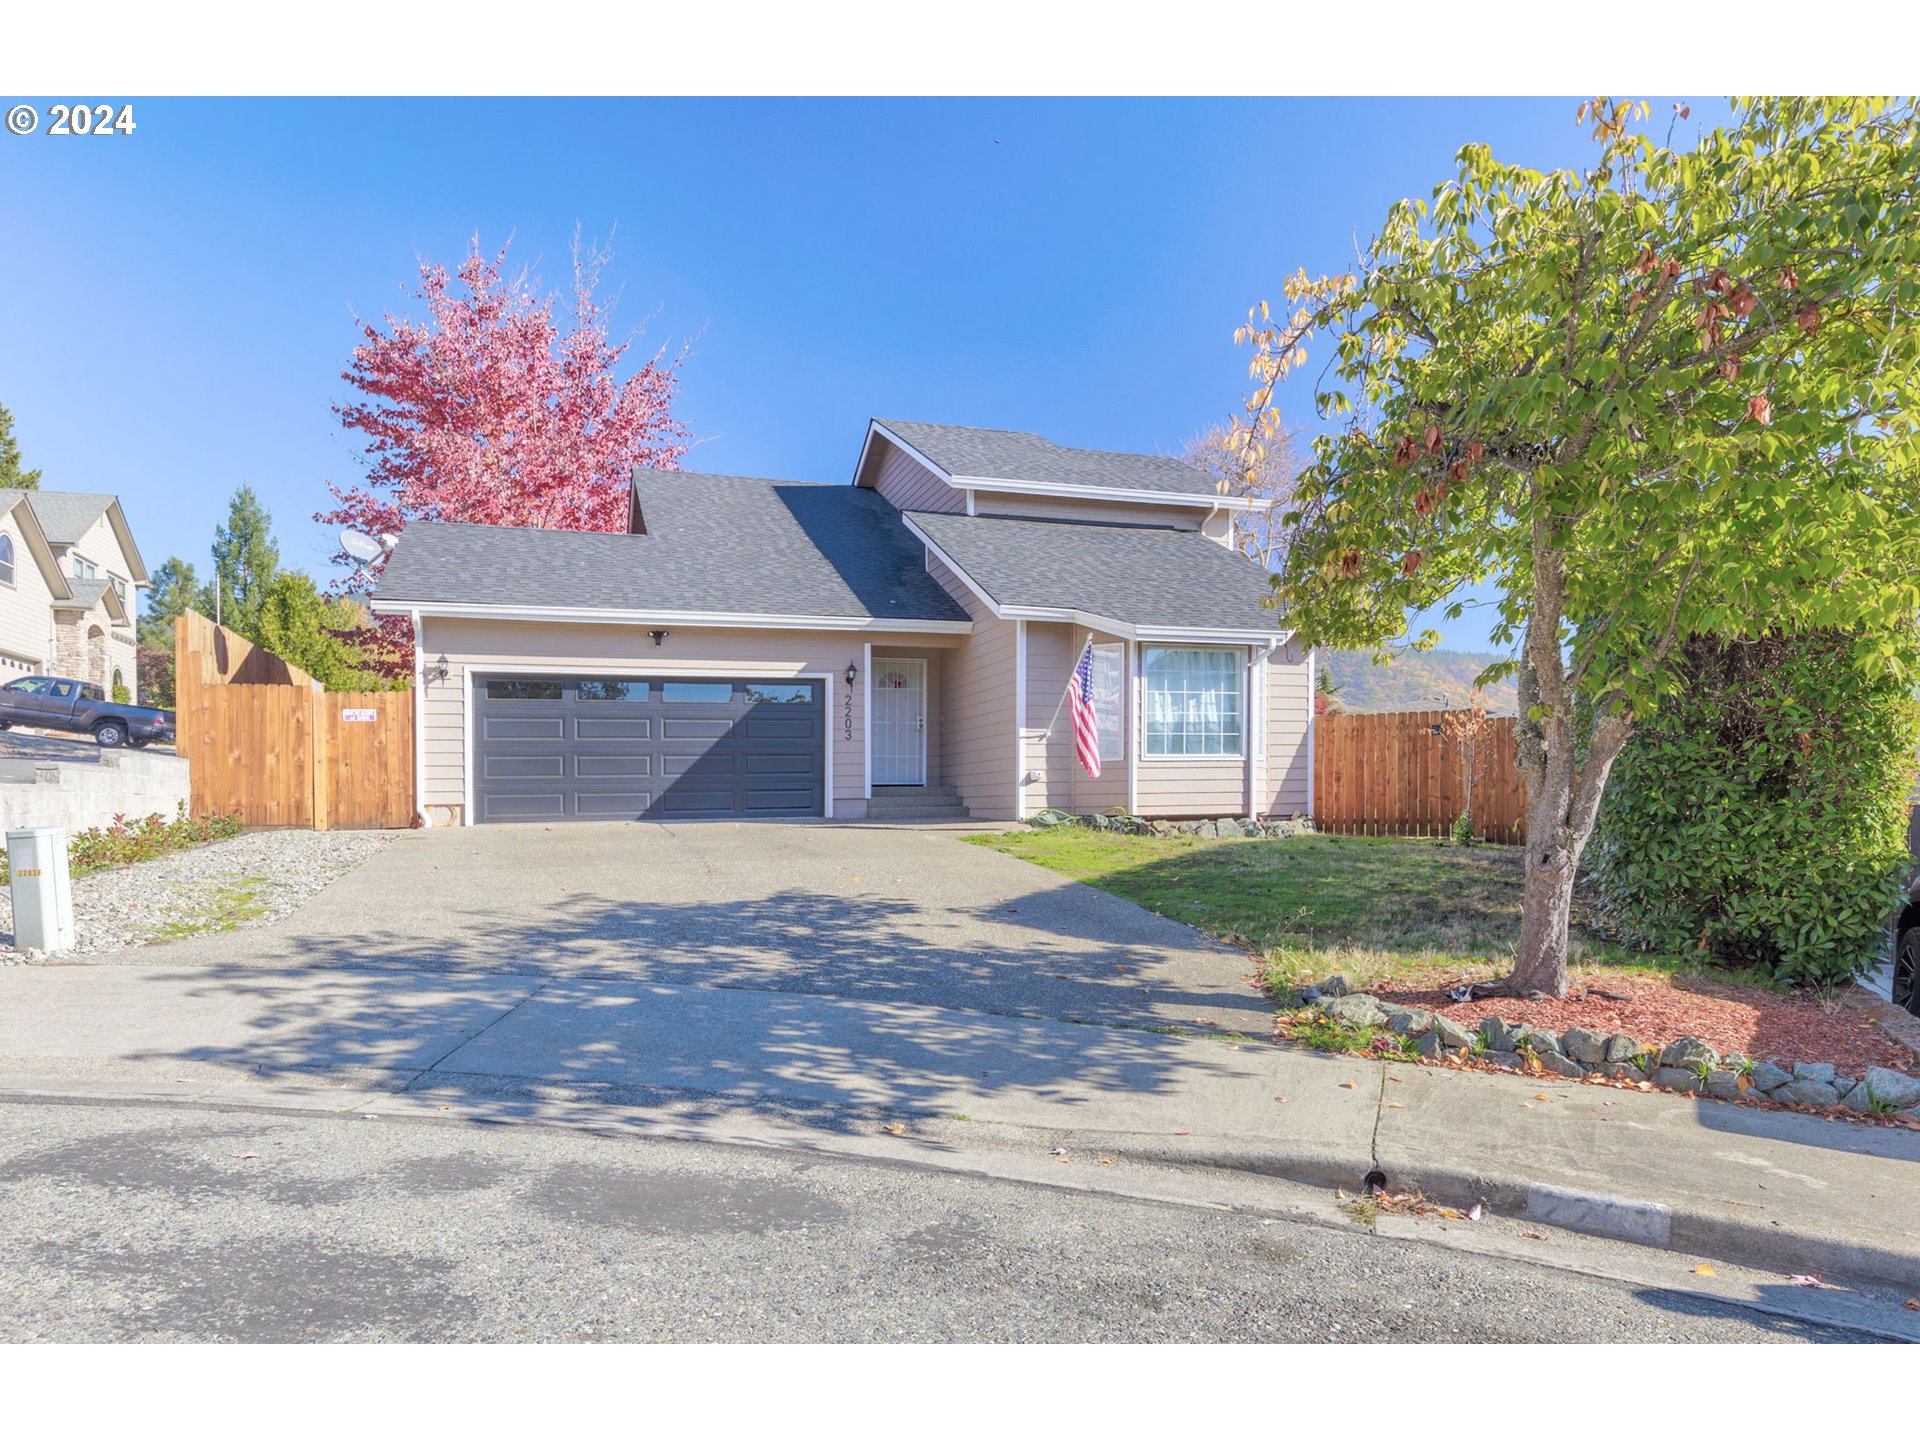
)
(1686, 1066)
(1227, 827)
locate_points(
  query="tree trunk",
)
(1564, 780)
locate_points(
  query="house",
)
(900, 645)
(70, 579)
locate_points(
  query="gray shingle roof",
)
(714, 543)
(86, 593)
(66, 514)
(1137, 575)
(1031, 459)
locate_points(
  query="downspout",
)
(419, 728)
(1019, 719)
(1313, 716)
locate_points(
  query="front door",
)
(899, 722)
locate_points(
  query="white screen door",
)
(899, 722)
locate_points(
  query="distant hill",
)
(1439, 679)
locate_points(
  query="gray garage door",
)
(577, 747)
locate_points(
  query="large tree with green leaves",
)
(316, 632)
(1669, 396)
(13, 473)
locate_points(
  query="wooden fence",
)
(268, 744)
(1403, 774)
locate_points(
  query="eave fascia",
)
(692, 619)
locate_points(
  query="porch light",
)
(440, 670)
(853, 672)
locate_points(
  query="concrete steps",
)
(916, 802)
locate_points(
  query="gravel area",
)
(248, 880)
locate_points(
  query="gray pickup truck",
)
(53, 702)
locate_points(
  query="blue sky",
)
(180, 301)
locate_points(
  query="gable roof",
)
(67, 515)
(715, 548)
(87, 592)
(1017, 460)
(11, 503)
(1128, 579)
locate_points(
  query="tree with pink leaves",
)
(489, 412)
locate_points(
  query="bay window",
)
(1194, 701)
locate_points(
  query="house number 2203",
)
(846, 717)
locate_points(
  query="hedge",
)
(1761, 817)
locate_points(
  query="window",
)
(83, 568)
(523, 689)
(119, 587)
(92, 692)
(611, 690)
(62, 689)
(1108, 703)
(779, 694)
(687, 692)
(6, 559)
(32, 685)
(1193, 702)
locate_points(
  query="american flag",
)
(1086, 728)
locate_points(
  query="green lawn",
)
(1372, 909)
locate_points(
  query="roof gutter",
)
(570, 614)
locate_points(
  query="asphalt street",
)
(131, 1222)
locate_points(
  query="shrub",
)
(1462, 831)
(126, 842)
(1761, 816)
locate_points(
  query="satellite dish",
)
(361, 546)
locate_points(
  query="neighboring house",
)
(763, 648)
(70, 580)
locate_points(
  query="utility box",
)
(42, 888)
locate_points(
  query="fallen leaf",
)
(1395, 1105)
(1475, 1211)
(1279, 1099)
(1913, 1305)
(1543, 1097)
(1347, 1085)
(896, 1128)
(1810, 1282)
(1058, 1150)
(1706, 1270)
(1106, 1159)
(1531, 1235)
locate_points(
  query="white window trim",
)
(1223, 757)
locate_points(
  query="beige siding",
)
(909, 485)
(26, 619)
(478, 646)
(1219, 526)
(1109, 512)
(100, 545)
(1051, 652)
(1285, 778)
(977, 733)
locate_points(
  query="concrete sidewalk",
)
(1789, 1192)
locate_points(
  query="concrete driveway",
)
(866, 912)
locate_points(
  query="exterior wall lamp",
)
(659, 637)
(853, 672)
(438, 670)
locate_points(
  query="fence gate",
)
(1404, 774)
(267, 744)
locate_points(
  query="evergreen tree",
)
(13, 476)
(311, 630)
(174, 591)
(246, 563)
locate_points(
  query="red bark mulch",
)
(1758, 1023)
